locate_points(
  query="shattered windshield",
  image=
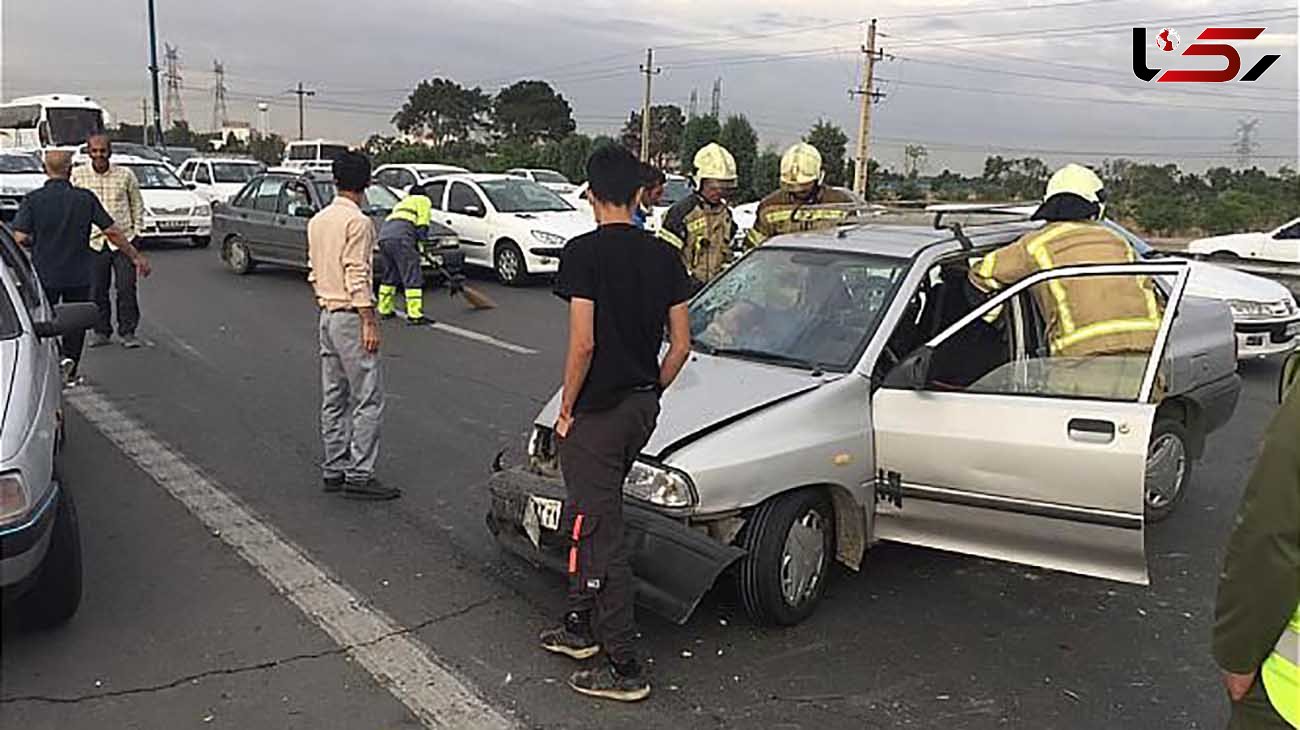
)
(795, 307)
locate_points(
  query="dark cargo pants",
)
(595, 459)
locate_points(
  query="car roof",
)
(478, 176)
(899, 241)
(226, 160)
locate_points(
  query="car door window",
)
(404, 179)
(268, 194)
(435, 190)
(248, 195)
(295, 200)
(387, 177)
(202, 175)
(186, 170)
(25, 278)
(462, 198)
(1291, 232)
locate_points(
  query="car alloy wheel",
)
(803, 561)
(789, 541)
(1167, 470)
(510, 264)
(238, 257)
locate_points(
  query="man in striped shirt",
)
(119, 192)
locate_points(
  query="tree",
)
(831, 141)
(697, 133)
(568, 156)
(532, 111)
(767, 172)
(666, 124)
(266, 148)
(181, 136)
(442, 111)
(740, 139)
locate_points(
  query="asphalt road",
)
(177, 631)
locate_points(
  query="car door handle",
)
(1091, 431)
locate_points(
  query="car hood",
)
(567, 223)
(224, 191)
(171, 199)
(8, 384)
(1220, 282)
(710, 393)
(24, 182)
(1205, 245)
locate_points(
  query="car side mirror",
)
(304, 211)
(192, 185)
(913, 372)
(68, 319)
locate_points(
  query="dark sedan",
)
(266, 222)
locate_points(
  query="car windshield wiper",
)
(750, 353)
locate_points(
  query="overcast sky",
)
(959, 78)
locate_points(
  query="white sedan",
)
(171, 208)
(511, 225)
(219, 179)
(1280, 245)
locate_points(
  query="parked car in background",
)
(1280, 245)
(266, 222)
(676, 187)
(841, 393)
(171, 208)
(20, 173)
(403, 176)
(219, 178)
(127, 149)
(549, 179)
(1265, 314)
(312, 153)
(514, 226)
(40, 543)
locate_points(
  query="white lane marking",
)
(410, 671)
(486, 339)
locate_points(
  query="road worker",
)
(401, 240)
(700, 225)
(1257, 616)
(803, 203)
(1117, 316)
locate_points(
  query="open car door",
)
(1040, 460)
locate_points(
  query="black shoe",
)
(418, 321)
(572, 639)
(609, 683)
(370, 490)
(332, 484)
(390, 315)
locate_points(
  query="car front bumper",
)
(451, 258)
(544, 259)
(1262, 339)
(23, 546)
(674, 564)
(176, 227)
(9, 205)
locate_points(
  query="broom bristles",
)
(477, 299)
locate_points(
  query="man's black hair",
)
(352, 171)
(1067, 207)
(651, 176)
(614, 175)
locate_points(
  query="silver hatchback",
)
(847, 387)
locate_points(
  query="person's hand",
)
(370, 335)
(142, 267)
(563, 423)
(1238, 684)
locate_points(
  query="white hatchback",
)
(219, 179)
(513, 226)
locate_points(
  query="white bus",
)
(312, 154)
(50, 121)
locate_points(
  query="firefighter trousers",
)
(595, 459)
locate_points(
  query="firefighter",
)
(1257, 615)
(700, 225)
(401, 241)
(1086, 316)
(803, 203)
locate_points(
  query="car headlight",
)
(14, 501)
(659, 486)
(202, 210)
(550, 239)
(1249, 310)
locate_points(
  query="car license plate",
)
(171, 225)
(542, 513)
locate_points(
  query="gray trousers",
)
(352, 398)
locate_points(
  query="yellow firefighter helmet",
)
(801, 168)
(714, 162)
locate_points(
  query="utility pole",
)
(144, 122)
(302, 94)
(153, 72)
(867, 95)
(650, 71)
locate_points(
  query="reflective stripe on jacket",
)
(1085, 315)
(1281, 672)
(782, 212)
(417, 209)
(702, 233)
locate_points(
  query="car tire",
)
(509, 263)
(1168, 471)
(200, 241)
(54, 597)
(237, 255)
(782, 577)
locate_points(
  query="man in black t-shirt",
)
(54, 224)
(623, 287)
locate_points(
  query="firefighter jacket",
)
(702, 233)
(1257, 614)
(1085, 315)
(782, 212)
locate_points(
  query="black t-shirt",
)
(58, 218)
(634, 279)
